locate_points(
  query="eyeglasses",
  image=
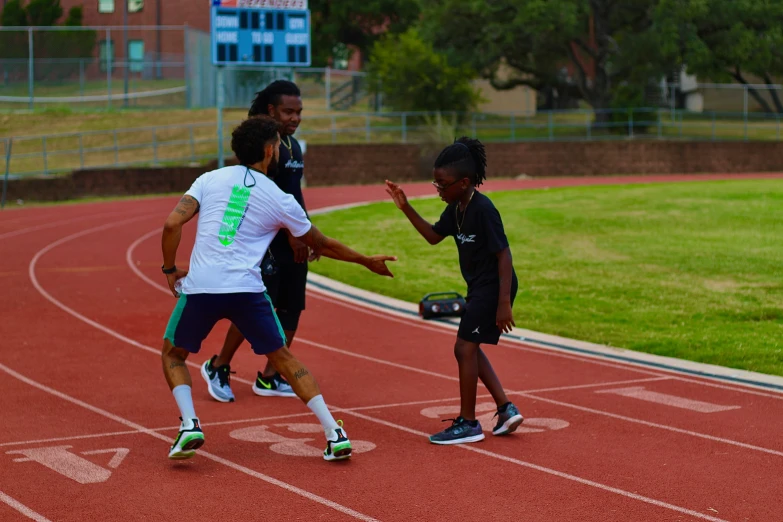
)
(441, 188)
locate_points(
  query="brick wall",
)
(372, 163)
(632, 157)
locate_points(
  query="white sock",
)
(185, 402)
(318, 406)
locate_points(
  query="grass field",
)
(689, 270)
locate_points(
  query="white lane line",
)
(26, 511)
(522, 393)
(549, 471)
(220, 460)
(132, 342)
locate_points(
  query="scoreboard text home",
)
(260, 35)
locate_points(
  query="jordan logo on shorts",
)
(235, 213)
(476, 330)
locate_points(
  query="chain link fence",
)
(151, 67)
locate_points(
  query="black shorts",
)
(478, 324)
(195, 315)
(287, 289)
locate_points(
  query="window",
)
(106, 54)
(135, 6)
(105, 6)
(136, 55)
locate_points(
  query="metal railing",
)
(195, 143)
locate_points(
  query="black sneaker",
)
(459, 432)
(508, 420)
(274, 386)
(218, 380)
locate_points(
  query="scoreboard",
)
(261, 32)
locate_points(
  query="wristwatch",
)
(168, 270)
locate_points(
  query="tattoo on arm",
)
(300, 373)
(187, 205)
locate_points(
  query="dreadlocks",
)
(271, 96)
(467, 157)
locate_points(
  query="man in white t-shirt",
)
(240, 211)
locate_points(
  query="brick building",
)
(154, 43)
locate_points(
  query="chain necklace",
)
(465, 212)
(288, 145)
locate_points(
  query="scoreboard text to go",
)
(267, 37)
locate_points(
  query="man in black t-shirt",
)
(284, 267)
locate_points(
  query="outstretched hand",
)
(397, 194)
(377, 264)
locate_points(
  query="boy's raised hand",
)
(397, 194)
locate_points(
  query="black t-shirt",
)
(288, 177)
(479, 236)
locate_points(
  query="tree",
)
(57, 53)
(13, 14)
(357, 23)
(43, 12)
(530, 42)
(413, 77)
(726, 40)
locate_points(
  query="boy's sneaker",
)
(274, 386)
(338, 447)
(218, 380)
(459, 432)
(189, 439)
(508, 420)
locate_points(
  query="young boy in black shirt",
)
(485, 263)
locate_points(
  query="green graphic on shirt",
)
(235, 213)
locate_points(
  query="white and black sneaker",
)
(189, 439)
(338, 447)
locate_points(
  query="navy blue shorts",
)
(195, 315)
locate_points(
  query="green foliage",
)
(414, 77)
(13, 14)
(530, 42)
(356, 23)
(629, 112)
(725, 40)
(56, 53)
(43, 12)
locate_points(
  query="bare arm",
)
(326, 246)
(419, 223)
(172, 233)
(504, 317)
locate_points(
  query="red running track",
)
(90, 418)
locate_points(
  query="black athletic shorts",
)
(287, 288)
(477, 325)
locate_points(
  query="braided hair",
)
(271, 95)
(466, 156)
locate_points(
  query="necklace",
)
(456, 212)
(288, 146)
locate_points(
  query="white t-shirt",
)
(236, 224)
